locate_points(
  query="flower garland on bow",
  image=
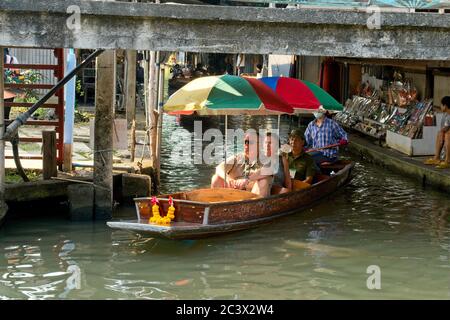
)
(156, 217)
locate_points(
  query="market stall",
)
(393, 114)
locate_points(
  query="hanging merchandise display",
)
(373, 117)
(410, 122)
(367, 115)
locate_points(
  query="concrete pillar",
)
(103, 134)
(135, 185)
(3, 206)
(81, 201)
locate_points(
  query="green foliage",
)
(11, 175)
(30, 147)
(24, 77)
(81, 116)
(78, 88)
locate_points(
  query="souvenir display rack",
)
(366, 115)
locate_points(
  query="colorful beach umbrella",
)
(226, 95)
(302, 95)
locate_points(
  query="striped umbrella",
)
(302, 95)
(226, 95)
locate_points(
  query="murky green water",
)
(380, 219)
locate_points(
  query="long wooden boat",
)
(210, 212)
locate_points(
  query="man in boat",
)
(322, 133)
(302, 168)
(278, 165)
(244, 171)
(443, 138)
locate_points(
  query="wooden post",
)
(130, 87)
(3, 205)
(152, 98)
(145, 66)
(105, 83)
(50, 164)
(133, 140)
(157, 167)
(130, 98)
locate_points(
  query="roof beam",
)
(172, 27)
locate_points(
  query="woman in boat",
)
(302, 168)
(244, 171)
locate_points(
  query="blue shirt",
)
(328, 133)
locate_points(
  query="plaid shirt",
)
(329, 133)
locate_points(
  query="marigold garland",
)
(156, 217)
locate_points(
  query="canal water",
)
(381, 231)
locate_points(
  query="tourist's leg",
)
(439, 145)
(217, 182)
(262, 187)
(447, 147)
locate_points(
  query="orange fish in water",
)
(182, 282)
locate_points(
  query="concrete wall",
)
(279, 65)
(168, 27)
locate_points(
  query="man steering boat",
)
(326, 135)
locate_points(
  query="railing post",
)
(49, 165)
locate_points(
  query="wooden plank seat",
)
(218, 195)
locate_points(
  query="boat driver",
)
(244, 170)
(324, 132)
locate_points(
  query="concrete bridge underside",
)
(203, 28)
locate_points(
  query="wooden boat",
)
(210, 212)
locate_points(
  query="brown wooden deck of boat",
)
(196, 219)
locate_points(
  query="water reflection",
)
(380, 219)
(26, 272)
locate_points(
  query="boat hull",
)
(200, 219)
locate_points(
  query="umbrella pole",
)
(279, 122)
(225, 148)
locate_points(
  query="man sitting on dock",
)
(443, 138)
(244, 171)
(325, 134)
